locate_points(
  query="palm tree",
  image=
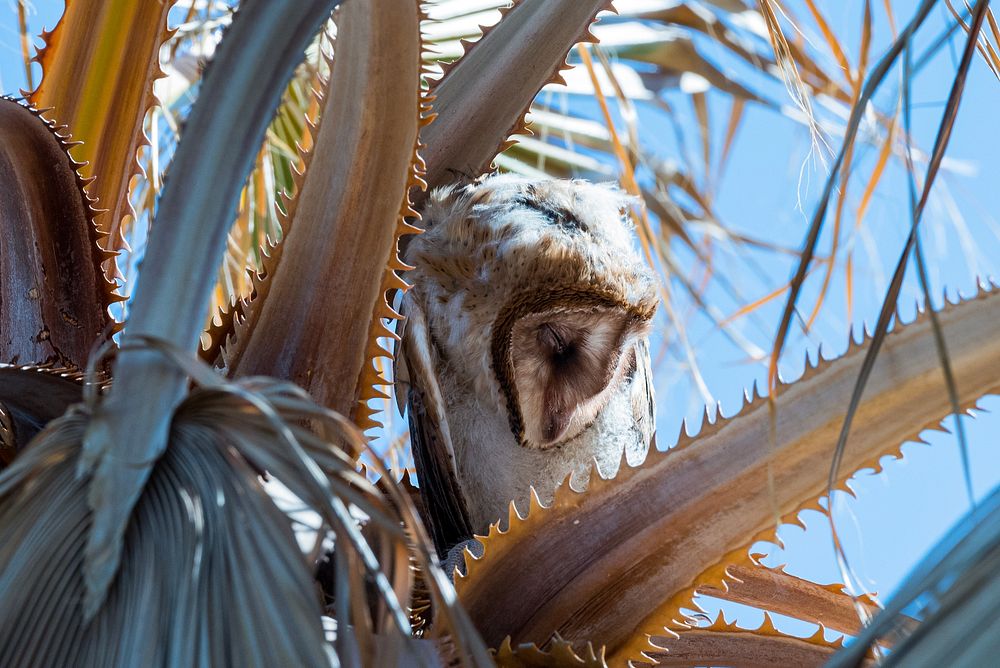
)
(135, 525)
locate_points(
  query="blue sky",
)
(900, 513)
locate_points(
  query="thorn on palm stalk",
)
(721, 643)
(110, 125)
(874, 80)
(775, 590)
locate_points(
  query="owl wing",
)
(446, 512)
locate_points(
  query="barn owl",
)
(525, 354)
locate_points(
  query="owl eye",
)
(566, 364)
(557, 341)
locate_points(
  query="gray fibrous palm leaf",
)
(204, 539)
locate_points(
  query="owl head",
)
(535, 293)
(525, 346)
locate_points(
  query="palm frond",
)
(230, 584)
(53, 287)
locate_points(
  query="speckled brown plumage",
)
(525, 350)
